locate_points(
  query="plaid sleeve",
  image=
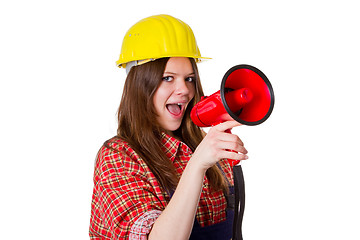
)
(125, 198)
(142, 226)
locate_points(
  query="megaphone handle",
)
(239, 185)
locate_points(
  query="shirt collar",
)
(170, 145)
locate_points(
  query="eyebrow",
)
(193, 73)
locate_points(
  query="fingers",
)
(220, 144)
(232, 150)
(226, 144)
(232, 146)
(222, 134)
(226, 154)
(234, 156)
(228, 125)
(229, 137)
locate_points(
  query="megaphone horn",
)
(245, 95)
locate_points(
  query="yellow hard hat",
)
(157, 37)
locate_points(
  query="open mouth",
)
(175, 109)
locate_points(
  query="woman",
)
(162, 177)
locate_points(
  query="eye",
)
(167, 78)
(190, 79)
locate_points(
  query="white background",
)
(60, 90)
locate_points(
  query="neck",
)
(174, 134)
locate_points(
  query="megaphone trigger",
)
(233, 162)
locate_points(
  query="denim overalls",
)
(219, 231)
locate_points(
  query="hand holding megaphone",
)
(220, 144)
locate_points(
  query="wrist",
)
(196, 165)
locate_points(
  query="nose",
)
(182, 87)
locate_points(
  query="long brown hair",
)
(137, 123)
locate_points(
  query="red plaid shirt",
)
(127, 198)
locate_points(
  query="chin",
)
(173, 127)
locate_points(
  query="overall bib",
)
(219, 231)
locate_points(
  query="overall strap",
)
(239, 186)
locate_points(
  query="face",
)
(174, 93)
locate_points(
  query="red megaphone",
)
(245, 95)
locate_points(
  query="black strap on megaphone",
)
(239, 185)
